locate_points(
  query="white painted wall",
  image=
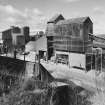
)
(29, 69)
(76, 59)
(61, 52)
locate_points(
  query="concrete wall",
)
(78, 60)
(29, 69)
(75, 59)
(18, 67)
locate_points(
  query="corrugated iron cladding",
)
(68, 29)
(70, 35)
(67, 38)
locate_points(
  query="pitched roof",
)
(101, 36)
(98, 44)
(55, 18)
(74, 20)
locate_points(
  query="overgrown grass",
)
(24, 94)
(98, 98)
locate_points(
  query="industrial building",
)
(72, 41)
(15, 37)
(36, 36)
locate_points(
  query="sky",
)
(36, 13)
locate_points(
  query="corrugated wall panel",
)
(69, 44)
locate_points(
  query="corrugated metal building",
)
(74, 42)
(69, 35)
(15, 37)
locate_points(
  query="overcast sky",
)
(35, 13)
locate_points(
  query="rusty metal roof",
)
(74, 20)
(101, 36)
(55, 18)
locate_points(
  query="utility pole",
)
(101, 60)
(24, 56)
(39, 66)
(6, 48)
(15, 52)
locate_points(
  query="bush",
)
(29, 85)
(98, 99)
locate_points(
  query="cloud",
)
(71, 1)
(99, 27)
(98, 15)
(10, 15)
(98, 10)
